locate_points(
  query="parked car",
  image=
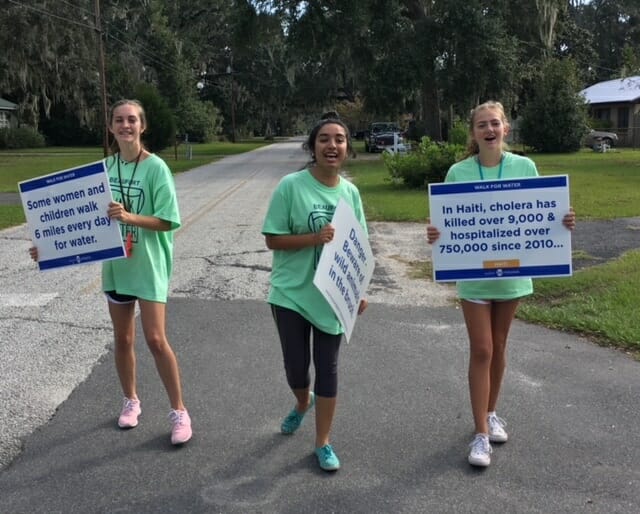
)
(595, 137)
(382, 135)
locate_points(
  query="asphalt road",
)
(403, 421)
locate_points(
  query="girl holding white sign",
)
(146, 207)
(489, 306)
(296, 227)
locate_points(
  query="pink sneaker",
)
(129, 415)
(181, 431)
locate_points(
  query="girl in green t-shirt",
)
(146, 207)
(489, 306)
(297, 224)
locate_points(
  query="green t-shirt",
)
(301, 205)
(151, 192)
(513, 166)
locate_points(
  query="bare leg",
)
(501, 318)
(325, 411)
(488, 327)
(152, 315)
(303, 399)
(478, 320)
(124, 330)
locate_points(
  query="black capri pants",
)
(295, 338)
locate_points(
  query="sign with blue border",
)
(497, 229)
(66, 214)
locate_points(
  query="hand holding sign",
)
(67, 215)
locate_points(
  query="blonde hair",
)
(472, 145)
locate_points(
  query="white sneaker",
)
(480, 453)
(497, 433)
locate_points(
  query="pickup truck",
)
(381, 135)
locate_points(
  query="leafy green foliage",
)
(200, 120)
(20, 137)
(555, 118)
(161, 124)
(459, 133)
(429, 163)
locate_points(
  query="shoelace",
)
(294, 417)
(128, 406)
(495, 421)
(176, 417)
(326, 451)
(480, 445)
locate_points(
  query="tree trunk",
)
(431, 108)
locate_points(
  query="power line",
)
(141, 50)
(51, 15)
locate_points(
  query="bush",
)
(459, 133)
(21, 137)
(428, 164)
(200, 120)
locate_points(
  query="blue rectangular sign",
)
(67, 216)
(497, 229)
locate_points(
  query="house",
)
(618, 103)
(8, 114)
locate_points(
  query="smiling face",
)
(331, 146)
(127, 124)
(489, 128)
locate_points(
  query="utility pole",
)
(233, 94)
(103, 80)
(233, 110)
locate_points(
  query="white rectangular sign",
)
(66, 213)
(345, 267)
(501, 229)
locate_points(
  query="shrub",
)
(428, 164)
(459, 133)
(20, 137)
(200, 120)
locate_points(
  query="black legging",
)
(295, 339)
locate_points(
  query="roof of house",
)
(613, 91)
(7, 105)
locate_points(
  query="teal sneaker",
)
(294, 419)
(327, 458)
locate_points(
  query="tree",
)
(555, 118)
(48, 56)
(161, 127)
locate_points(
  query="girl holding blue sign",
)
(147, 209)
(489, 306)
(296, 227)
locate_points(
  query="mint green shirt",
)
(150, 192)
(301, 205)
(513, 166)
